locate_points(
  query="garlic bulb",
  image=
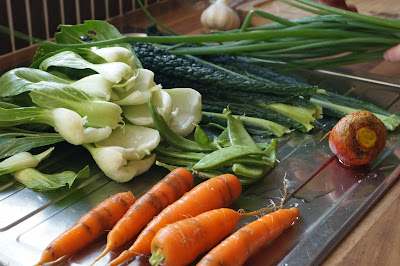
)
(220, 16)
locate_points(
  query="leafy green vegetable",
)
(36, 180)
(18, 80)
(14, 140)
(79, 93)
(188, 71)
(73, 34)
(254, 96)
(255, 126)
(22, 160)
(339, 106)
(305, 116)
(113, 71)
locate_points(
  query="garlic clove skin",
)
(220, 16)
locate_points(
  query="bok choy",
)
(95, 97)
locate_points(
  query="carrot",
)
(217, 192)
(180, 243)
(89, 227)
(239, 246)
(169, 189)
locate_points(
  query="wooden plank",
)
(375, 240)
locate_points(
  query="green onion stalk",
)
(332, 37)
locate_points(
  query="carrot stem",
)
(156, 257)
(366, 137)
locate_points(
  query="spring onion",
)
(332, 37)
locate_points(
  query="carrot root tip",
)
(99, 257)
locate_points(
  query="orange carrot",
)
(89, 227)
(180, 243)
(169, 189)
(239, 246)
(217, 192)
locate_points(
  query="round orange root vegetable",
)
(358, 138)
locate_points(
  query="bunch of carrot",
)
(160, 218)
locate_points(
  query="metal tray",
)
(330, 197)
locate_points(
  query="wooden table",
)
(376, 238)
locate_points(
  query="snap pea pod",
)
(213, 173)
(201, 137)
(180, 154)
(220, 157)
(223, 139)
(250, 172)
(203, 174)
(252, 161)
(184, 162)
(237, 133)
(244, 177)
(233, 151)
(171, 167)
(174, 139)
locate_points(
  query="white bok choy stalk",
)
(139, 91)
(95, 85)
(71, 127)
(126, 153)
(140, 114)
(116, 54)
(186, 110)
(69, 124)
(181, 108)
(97, 113)
(101, 85)
(85, 95)
(76, 116)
